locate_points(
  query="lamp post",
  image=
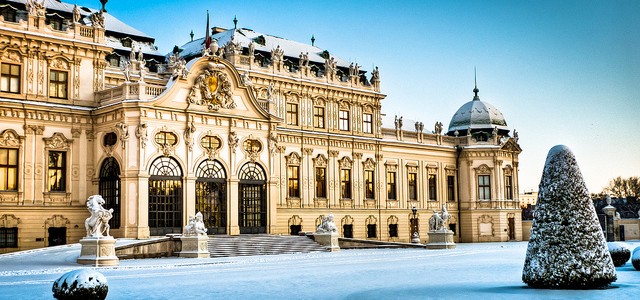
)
(415, 237)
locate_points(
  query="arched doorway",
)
(252, 197)
(165, 196)
(109, 188)
(211, 196)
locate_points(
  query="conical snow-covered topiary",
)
(567, 249)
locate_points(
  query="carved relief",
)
(295, 220)
(293, 159)
(345, 163)
(57, 221)
(59, 63)
(212, 88)
(188, 135)
(483, 169)
(75, 132)
(123, 131)
(485, 225)
(233, 141)
(333, 153)
(508, 171)
(10, 138)
(12, 56)
(320, 161)
(141, 134)
(391, 167)
(369, 164)
(412, 169)
(57, 142)
(9, 221)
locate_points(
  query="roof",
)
(245, 36)
(477, 114)
(111, 23)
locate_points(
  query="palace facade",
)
(259, 133)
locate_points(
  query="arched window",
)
(252, 197)
(211, 195)
(165, 196)
(109, 188)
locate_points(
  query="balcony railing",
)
(129, 91)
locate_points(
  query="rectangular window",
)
(55, 23)
(433, 192)
(391, 185)
(369, 191)
(318, 117)
(292, 114)
(8, 169)
(58, 81)
(345, 184)
(484, 187)
(9, 237)
(344, 120)
(367, 123)
(508, 187)
(57, 171)
(10, 78)
(413, 186)
(294, 181)
(321, 183)
(372, 231)
(451, 188)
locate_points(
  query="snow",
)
(471, 271)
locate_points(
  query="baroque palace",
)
(259, 133)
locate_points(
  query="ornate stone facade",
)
(205, 131)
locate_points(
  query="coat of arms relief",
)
(213, 89)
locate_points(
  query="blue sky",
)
(561, 72)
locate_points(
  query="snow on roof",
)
(111, 24)
(245, 36)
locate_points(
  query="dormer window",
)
(55, 21)
(126, 42)
(8, 13)
(113, 59)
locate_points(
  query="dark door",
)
(109, 189)
(165, 197)
(57, 236)
(211, 201)
(253, 208)
(511, 229)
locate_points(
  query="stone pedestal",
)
(328, 239)
(441, 239)
(195, 246)
(98, 251)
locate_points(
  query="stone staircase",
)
(261, 244)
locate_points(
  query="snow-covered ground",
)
(471, 271)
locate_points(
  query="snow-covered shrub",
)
(81, 284)
(567, 248)
(620, 254)
(635, 258)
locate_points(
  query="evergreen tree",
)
(567, 248)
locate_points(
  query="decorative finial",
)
(313, 40)
(235, 22)
(191, 35)
(475, 82)
(104, 2)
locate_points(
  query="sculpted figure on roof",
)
(277, 54)
(76, 14)
(304, 59)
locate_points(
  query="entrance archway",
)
(109, 188)
(211, 196)
(252, 197)
(165, 196)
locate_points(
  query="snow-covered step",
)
(244, 245)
